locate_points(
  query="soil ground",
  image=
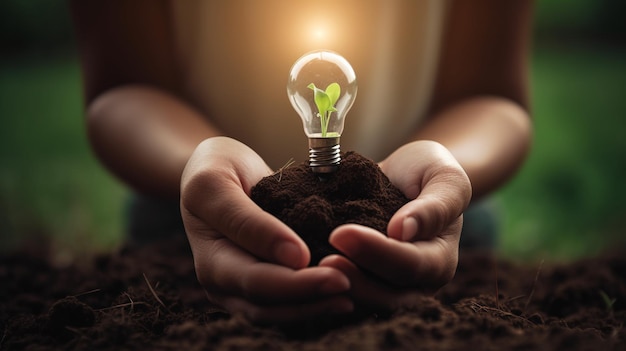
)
(148, 297)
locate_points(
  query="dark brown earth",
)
(147, 298)
(358, 192)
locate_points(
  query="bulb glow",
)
(322, 88)
(319, 33)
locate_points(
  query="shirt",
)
(235, 58)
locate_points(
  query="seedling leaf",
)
(608, 302)
(325, 101)
(333, 90)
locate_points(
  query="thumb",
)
(441, 191)
(214, 191)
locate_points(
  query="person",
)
(186, 103)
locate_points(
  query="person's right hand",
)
(248, 260)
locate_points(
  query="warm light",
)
(319, 33)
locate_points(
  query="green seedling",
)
(325, 101)
(608, 302)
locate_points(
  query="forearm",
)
(489, 137)
(145, 137)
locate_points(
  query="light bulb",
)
(322, 88)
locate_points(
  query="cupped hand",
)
(248, 261)
(420, 252)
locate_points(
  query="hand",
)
(420, 253)
(247, 260)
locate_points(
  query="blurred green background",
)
(566, 202)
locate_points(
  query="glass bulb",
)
(322, 88)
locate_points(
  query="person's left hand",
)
(420, 253)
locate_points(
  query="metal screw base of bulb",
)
(324, 154)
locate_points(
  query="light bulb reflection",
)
(322, 88)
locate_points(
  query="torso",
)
(235, 57)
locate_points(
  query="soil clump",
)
(358, 192)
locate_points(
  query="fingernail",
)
(288, 254)
(409, 228)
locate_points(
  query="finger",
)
(230, 270)
(370, 293)
(441, 194)
(427, 216)
(422, 263)
(214, 200)
(239, 219)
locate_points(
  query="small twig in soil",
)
(476, 307)
(515, 298)
(284, 167)
(131, 304)
(77, 332)
(4, 335)
(154, 292)
(85, 293)
(495, 269)
(532, 291)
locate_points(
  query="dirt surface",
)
(147, 298)
(358, 192)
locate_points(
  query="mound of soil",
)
(148, 297)
(358, 192)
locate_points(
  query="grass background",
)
(566, 202)
(568, 199)
(52, 190)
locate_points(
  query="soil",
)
(313, 205)
(148, 298)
